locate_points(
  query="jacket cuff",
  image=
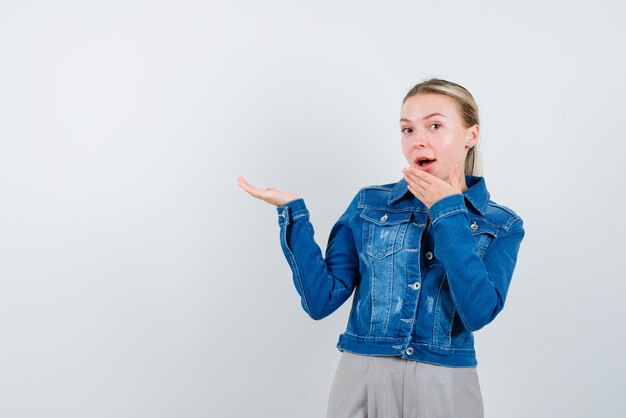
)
(292, 211)
(447, 206)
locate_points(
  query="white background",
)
(137, 280)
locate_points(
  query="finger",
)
(417, 193)
(410, 175)
(417, 185)
(420, 175)
(417, 190)
(245, 185)
(414, 191)
(251, 190)
(243, 182)
(417, 176)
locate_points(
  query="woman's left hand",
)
(430, 189)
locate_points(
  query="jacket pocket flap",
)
(382, 218)
(480, 227)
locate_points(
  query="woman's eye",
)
(407, 131)
(435, 126)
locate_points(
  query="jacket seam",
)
(504, 208)
(437, 309)
(303, 215)
(449, 213)
(296, 271)
(321, 260)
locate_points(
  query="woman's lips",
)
(424, 163)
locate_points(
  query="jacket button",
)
(284, 213)
(415, 286)
(384, 218)
(474, 226)
(429, 256)
(409, 351)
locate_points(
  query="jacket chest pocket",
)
(484, 234)
(383, 232)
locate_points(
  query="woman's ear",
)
(472, 136)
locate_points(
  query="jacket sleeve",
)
(478, 286)
(323, 283)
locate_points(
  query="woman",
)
(430, 259)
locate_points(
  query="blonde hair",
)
(467, 109)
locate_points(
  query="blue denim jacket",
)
(423, 279)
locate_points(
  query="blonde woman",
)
(429, 259)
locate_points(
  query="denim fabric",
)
(423, 280)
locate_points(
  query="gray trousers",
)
(392, 387)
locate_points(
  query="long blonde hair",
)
(467, 108)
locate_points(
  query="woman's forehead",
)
(426, 106)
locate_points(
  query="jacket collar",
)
(476, 194)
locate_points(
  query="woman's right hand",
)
(271, 196)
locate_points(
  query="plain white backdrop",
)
(137, 280)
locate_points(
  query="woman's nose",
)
(419, 141)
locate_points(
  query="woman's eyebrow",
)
(425, 117)
(433, 114)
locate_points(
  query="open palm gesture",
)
(269, 195)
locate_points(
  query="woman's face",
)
(434, 137)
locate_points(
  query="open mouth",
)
(424, 162)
